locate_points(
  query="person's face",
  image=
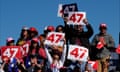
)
(60, 29)
(103, 30)
(19, 70)
(11, 43)
(35, 44)
(34, 60)
(80, 27)
(42, 39)
(32, 34)
(56, 57)
(39, 70)
(25, 33)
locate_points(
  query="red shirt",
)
(42, 53)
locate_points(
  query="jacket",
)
(59, 64)
(105, 51)
(81, 38)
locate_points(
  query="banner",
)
(76, 18)
(77, 53)
(69, 8)
(60, 11)
(55, 38)
(11, 52)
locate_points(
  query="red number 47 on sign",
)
(76, 17)
(55, 38)
(77, 53)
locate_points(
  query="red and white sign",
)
(76, 18)
(77, 53)
(118, 49)
(99, 45)
(11, 52)
(94, 64)
(55, 38)
(25, 49)
(60, 10)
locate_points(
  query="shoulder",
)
(109, 35)
(96, 35)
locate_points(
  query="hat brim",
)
(11, 41)
(103, 28)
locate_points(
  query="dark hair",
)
(21, 34)
(31, 46)
(59, 27)
(33, 56)
(36, 33)
(56, 52)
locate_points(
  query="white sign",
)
(60, 11)
(76, 52)
(76, 18)
(55, 38)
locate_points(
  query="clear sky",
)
(14, 14)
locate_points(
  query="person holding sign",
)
(10, 53)
(56, 62)
(102, 42)
(10, 41)
(60, 29)
(6, 61)
(76, 35)
(79, 36)
(43, 36)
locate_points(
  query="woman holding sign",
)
(56, 62)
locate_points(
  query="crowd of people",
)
(44, 58)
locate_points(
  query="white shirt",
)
(58, 64)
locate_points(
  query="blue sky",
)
(14, 14)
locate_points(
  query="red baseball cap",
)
(35, 39)
(50, 28)
(103, 26)
(33, 29)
